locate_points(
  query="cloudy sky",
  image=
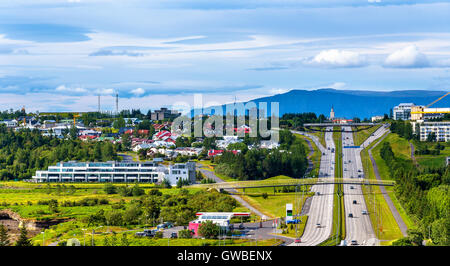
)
(58, 55)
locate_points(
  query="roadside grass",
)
(315, 158)
(319, 134)
(360, 136)
(401, 149)
(431, 160)
(382, 220)
(297, 230)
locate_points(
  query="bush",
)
(185, 233)
(110, 189)
(264, 195)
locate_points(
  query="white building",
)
(440, 129)
(227, 140)
(148, 172)
(377, 118)
(10, 123)
(402, 111)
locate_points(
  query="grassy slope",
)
(380, 214)
(315, 158)
(401, 148)
(360, 136)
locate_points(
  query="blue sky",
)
(57, 55)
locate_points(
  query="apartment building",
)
(440, 129)
(402, 111)
(111, 171)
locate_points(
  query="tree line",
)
(25, 151)
(425, 195)
(290, 159)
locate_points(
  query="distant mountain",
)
(350, 103)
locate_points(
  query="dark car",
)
(241, 226)
(174, 235)
(354, 202)
(354, 243)
(350, 215)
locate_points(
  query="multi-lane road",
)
(320, 216)
(358, 226)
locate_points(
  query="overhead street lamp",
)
(84, 235)
(43, 238)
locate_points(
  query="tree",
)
(110, 189)
(4, 238)
(185, 233)
(208, 230)
(23, 240)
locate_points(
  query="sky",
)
(59, 55)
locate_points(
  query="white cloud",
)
(408, 57)
(337, 58)
(138, 91)
(63, 88)
(374, 1)
(105, 91)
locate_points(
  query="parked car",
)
(174, 235)
(241, 226)
(164, 225)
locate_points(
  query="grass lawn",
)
(431, 160)
(275, 204)
(360, 136)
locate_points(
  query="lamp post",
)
(84, 236)
(43, 238)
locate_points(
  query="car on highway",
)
(318, 225)
(318, 193)
(297, 240)
(363, 212)
(355, 202)
(174, 235)
(351, 187)
(350, 215)
(354, 243)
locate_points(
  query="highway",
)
(321, 209)
(358, 227)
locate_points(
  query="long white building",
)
(402, 111)
(111, 171)
(440, 129)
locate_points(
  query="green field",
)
(275, 204)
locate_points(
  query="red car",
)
(297, 240)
